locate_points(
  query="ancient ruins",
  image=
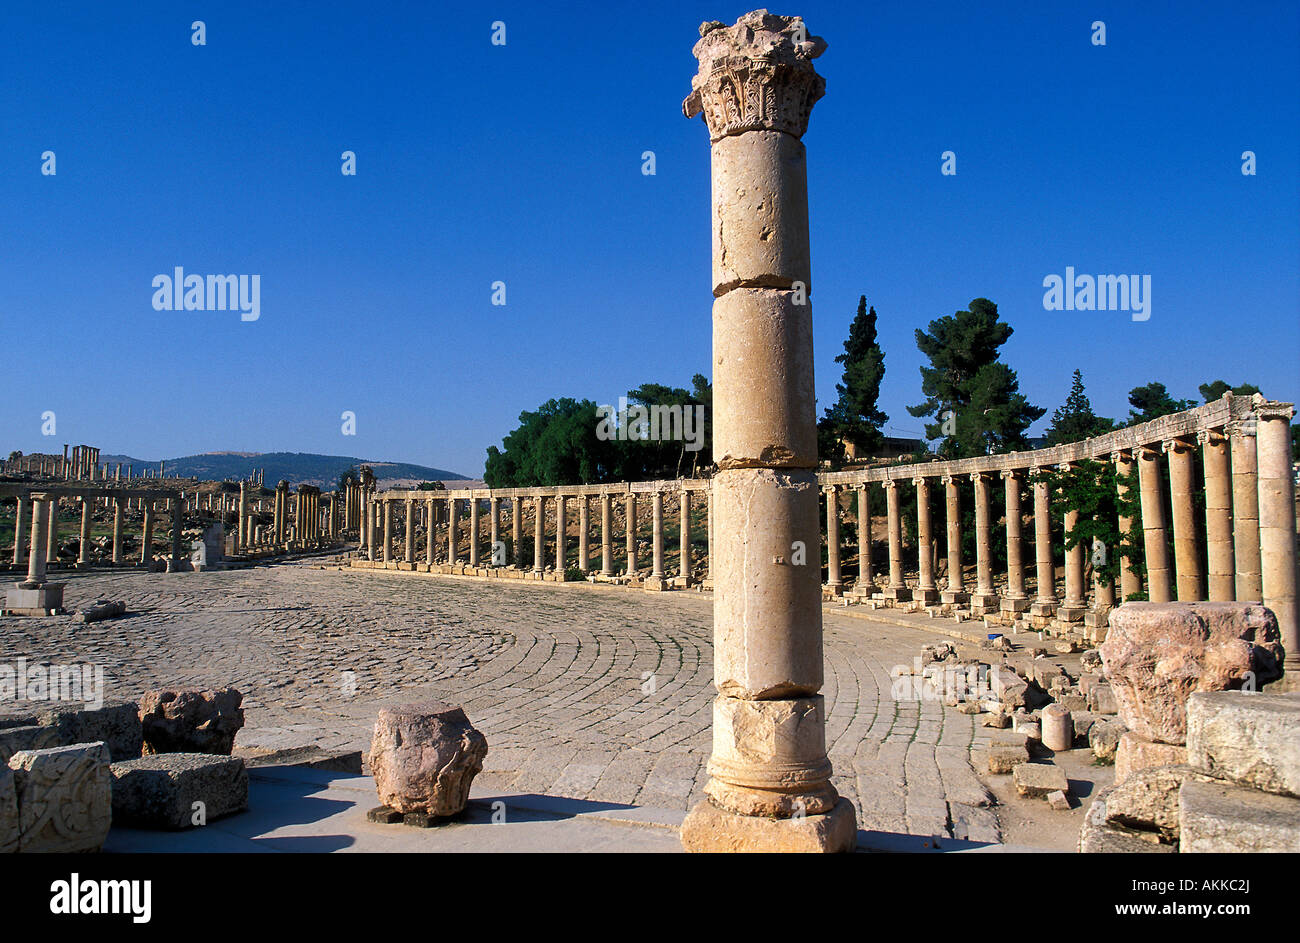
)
(1189, 690)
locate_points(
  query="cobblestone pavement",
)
(599, 693)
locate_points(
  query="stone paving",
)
(586, 692)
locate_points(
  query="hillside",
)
(295, 467)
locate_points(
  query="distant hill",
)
(295, 467)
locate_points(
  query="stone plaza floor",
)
(593, 693)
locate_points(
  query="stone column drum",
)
(769, 787)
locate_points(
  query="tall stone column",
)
(1044, 605)
(1154, 525)
(1245, 510)
(1129, 581)
(866, 584)
(1074, 604)
(388, 532)
(494, 527)
(561, 525)
(52, 531)
(20, 525)
(584, 533)
(984, 598)
(517, 529)
(1277, 534)
(119, 511)
(631, 534)
(1218, 516)
(657, 541)
(178, 517)
(146, 538)
(897, 589)
(708, 532)
(453, 525)
(834, 579)
(1015, 600)
(409, 521)
(83, 554)
(242, 540)
(474, 531)
(606, 535)
(769, 778)
(1187, 557)
(539, 535)
(684, 535)
(36, 557)
(956, 591)
(927, 590)
(430, 529)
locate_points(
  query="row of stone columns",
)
(383, 548)
(45, 528)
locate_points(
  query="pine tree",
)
(1153, 401)
(973, 396)
(854, 416)
(1216, 389)
(1075, 420)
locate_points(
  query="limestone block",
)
(13, 739)
(1036, 780)
(1104, 739)
(1147, 800)
(18, 719)
(1136, 752)
(191, 721)
(1101, 699)
(1009, 687)
(64, 802)
(161, 790)
(424, 757)
(1058, 800)
(9, 827)
(1082, 722)
(1158, 653)
(767, 632)
(710, 828)
(760, 212)
(1251, 739)
(115, 723)
(1057, 727)
(1006, 752)
(764, 412)
(1221, 817)
(1098, 836)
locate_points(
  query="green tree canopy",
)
(1076, 421)
(1216, 389)
(555, 445)
(854, 416)
(973, 397)
(1153, 401)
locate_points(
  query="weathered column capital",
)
(1176, 444)
(1017, 473)
(1211, 437)
(919, 480)
(756, 75)
(1272, 409)
(889, 484)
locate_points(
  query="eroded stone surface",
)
(1252, 739)
(115, 723)
(709, 828)
(1156, 654)
(64, 802)
(191, 721)
(424, 757)
(1136, 752)
(178, 790)
(1225, 818)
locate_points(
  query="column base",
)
(1071, 614)
(833, 589)
(954, 597)
(710, 828)
(654, 584)
(43, 600)
(926, 597)
(1016, 604)
(897, 593)
(985, 601)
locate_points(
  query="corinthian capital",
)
(756, 76)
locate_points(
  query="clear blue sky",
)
(523, 163)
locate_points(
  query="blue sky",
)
(522, 163)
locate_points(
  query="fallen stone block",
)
(424, 757)
(1072, 702)
(1057, 728)
(1251, 739)
(100, 610)
(1036, 780)
(1104, 737)
(1059, 801)
(115, 723)
(178, 790)
(1083, 721)
(997, 719)
(1136, 752)
(1226, 818)
(1147, 800)
(13, 739)
(191, 721)
(1009, 687)
(18, 719)
(63, 795)
(1004, 757)
(1098, 836)
(1101, 699)
(1159, 653)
